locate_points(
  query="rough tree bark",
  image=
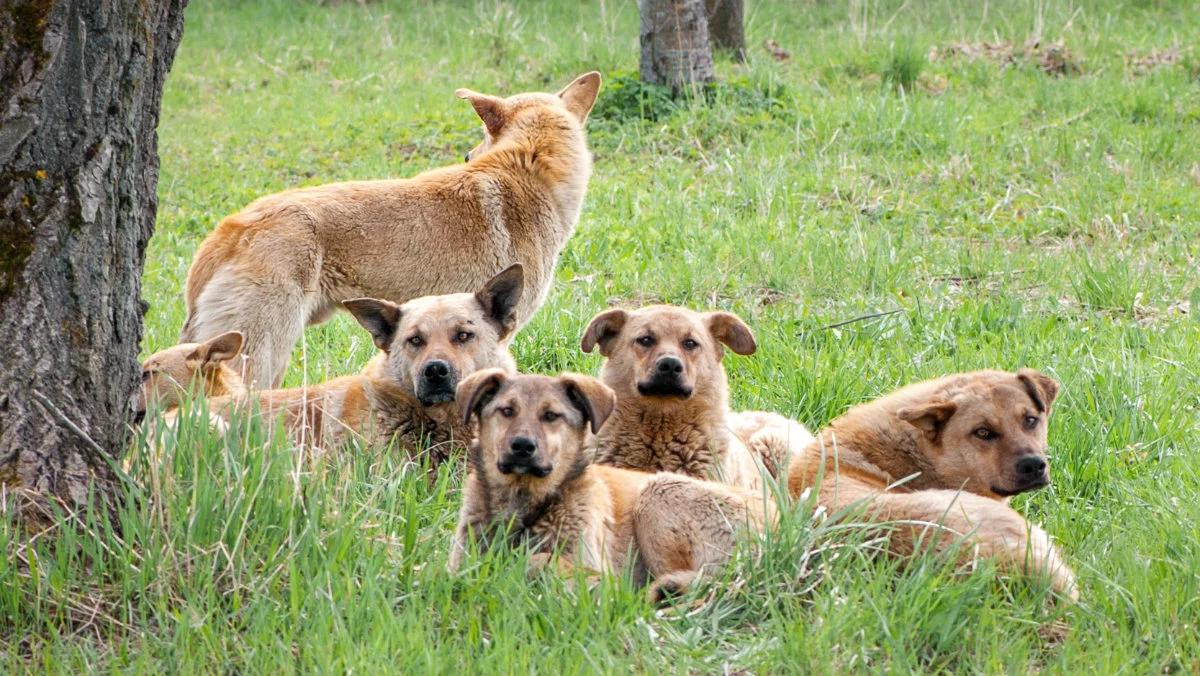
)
(726, 30)
(80, 87)
(675, 49)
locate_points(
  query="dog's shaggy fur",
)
(672, 411)
(531, 482)
(939, 460)
(288, 260)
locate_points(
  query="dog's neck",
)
(399, 414)
(223, 381)
(522, 506)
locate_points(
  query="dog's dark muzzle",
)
(522, 458)
(666, 380)
(437, 383)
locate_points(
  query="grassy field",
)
(1010, 205)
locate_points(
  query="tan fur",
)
(665, 527)
(170, 376)
(288, 260)
(692, 431)
(392, 400)
(952, 482)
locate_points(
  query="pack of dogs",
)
(644, 470)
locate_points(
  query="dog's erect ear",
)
(476, 390)
(499, 298)
(729, 329)
(491, 109)
(580, 95)
(593, 398)
(929, 417)
(216, 350)
(601, 331)
(378, 317)
(1042, 389)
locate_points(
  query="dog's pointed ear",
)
(580, 95)
(219, 349)
(379, 317)
(730, 330)
(593, 398)
(499, 298)
(929, 417)
(601, 331)
(476, 390)
(491, 109)
(1042, 389)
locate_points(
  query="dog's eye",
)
(1031, 422)
(416, 341)
(507, 412)
(145, 375)
(645, 341)
(985, 433)
(550, 416)
(463, 336)
(690, 344)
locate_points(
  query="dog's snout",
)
(437, 370)
(669, 365)
(523, 447)
(467, 157)
(1031, 466)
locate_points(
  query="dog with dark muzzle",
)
(406, 394)
(531, 482)
(939, 461)
(672, 413)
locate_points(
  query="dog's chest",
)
(400, 419)
(686, 448)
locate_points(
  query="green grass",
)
(1009, 216)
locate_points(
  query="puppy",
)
(672, 411)
(531, 482)
(289, 260)
(169, 376)
(429, 345)
(941, 458)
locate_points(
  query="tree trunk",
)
(675, 48)
(725, 26)
(80, 87)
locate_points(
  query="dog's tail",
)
(214, 251)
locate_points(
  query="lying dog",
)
(170, 376)
(672, 411)
(940, 459)
(531, 482)
(429, 344)
(289, 260)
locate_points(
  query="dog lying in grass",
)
(172, 375)
(428, 346)
(672, 412)
(289, 260)
(531, 482)
(939, 461)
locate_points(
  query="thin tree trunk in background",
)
(80, 87)
(726, 29)
(674, 39)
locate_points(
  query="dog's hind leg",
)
(271, 313)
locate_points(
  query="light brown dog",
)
(940, 459)
(672, 414)
(169, 376)
(430, 344)
(531, 482)
(290, 259)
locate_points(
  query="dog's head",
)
(987, 433)
(169, 375)
(533, 429)
(513, 116)
(432, 343)
(664, 352)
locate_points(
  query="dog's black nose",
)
(523, 446)
(437, 371)
(1031, 466)
(467, 157)
(669, 365)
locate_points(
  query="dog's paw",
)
(537, 563)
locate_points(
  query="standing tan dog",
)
(940, 459)
(672, 414)
(430, 344)
(531, 482)
(290, 259)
